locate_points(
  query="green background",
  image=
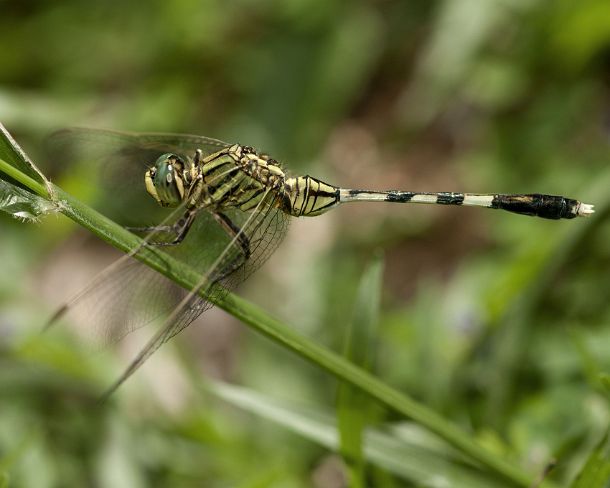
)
(498, 322)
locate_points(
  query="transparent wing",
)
(109, 167)
(222, 248)
(124, 297)
(158, 141)
(113, 165)
(264, 228)
(129, 295)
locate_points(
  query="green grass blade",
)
(353, 407)
(596, 471)
(274, 329)
(409, 459)
(11, 152)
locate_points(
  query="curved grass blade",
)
(353, 407)
(411, 460)
(12, 153)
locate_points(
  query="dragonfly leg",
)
(180, 228)
(152, 228)
(244, 243)
(198, 157)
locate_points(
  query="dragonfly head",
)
(164, 180)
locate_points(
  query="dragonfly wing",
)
(117, 140)
(124, 297)
(189, 309)
(265, 232)
(181, 142)
(223, 251)
(264, 229)
(128, 295)
(112, 164)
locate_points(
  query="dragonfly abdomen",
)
(538, 205)
(307, 197)
(535, 204)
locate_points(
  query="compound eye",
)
(164, 182)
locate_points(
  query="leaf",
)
(421, 463)
(17, 201)
(353, 407)
(23, 204)
(604, 379)
(12, 153)
(596, 471)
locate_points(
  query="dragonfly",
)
(227, 209)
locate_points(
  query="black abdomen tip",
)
(537, 205)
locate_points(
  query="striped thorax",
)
(239, 177)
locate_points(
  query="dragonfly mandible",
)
(229, 207)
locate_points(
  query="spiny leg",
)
(180, 228)
(242, 239)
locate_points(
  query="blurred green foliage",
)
(500, 323)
